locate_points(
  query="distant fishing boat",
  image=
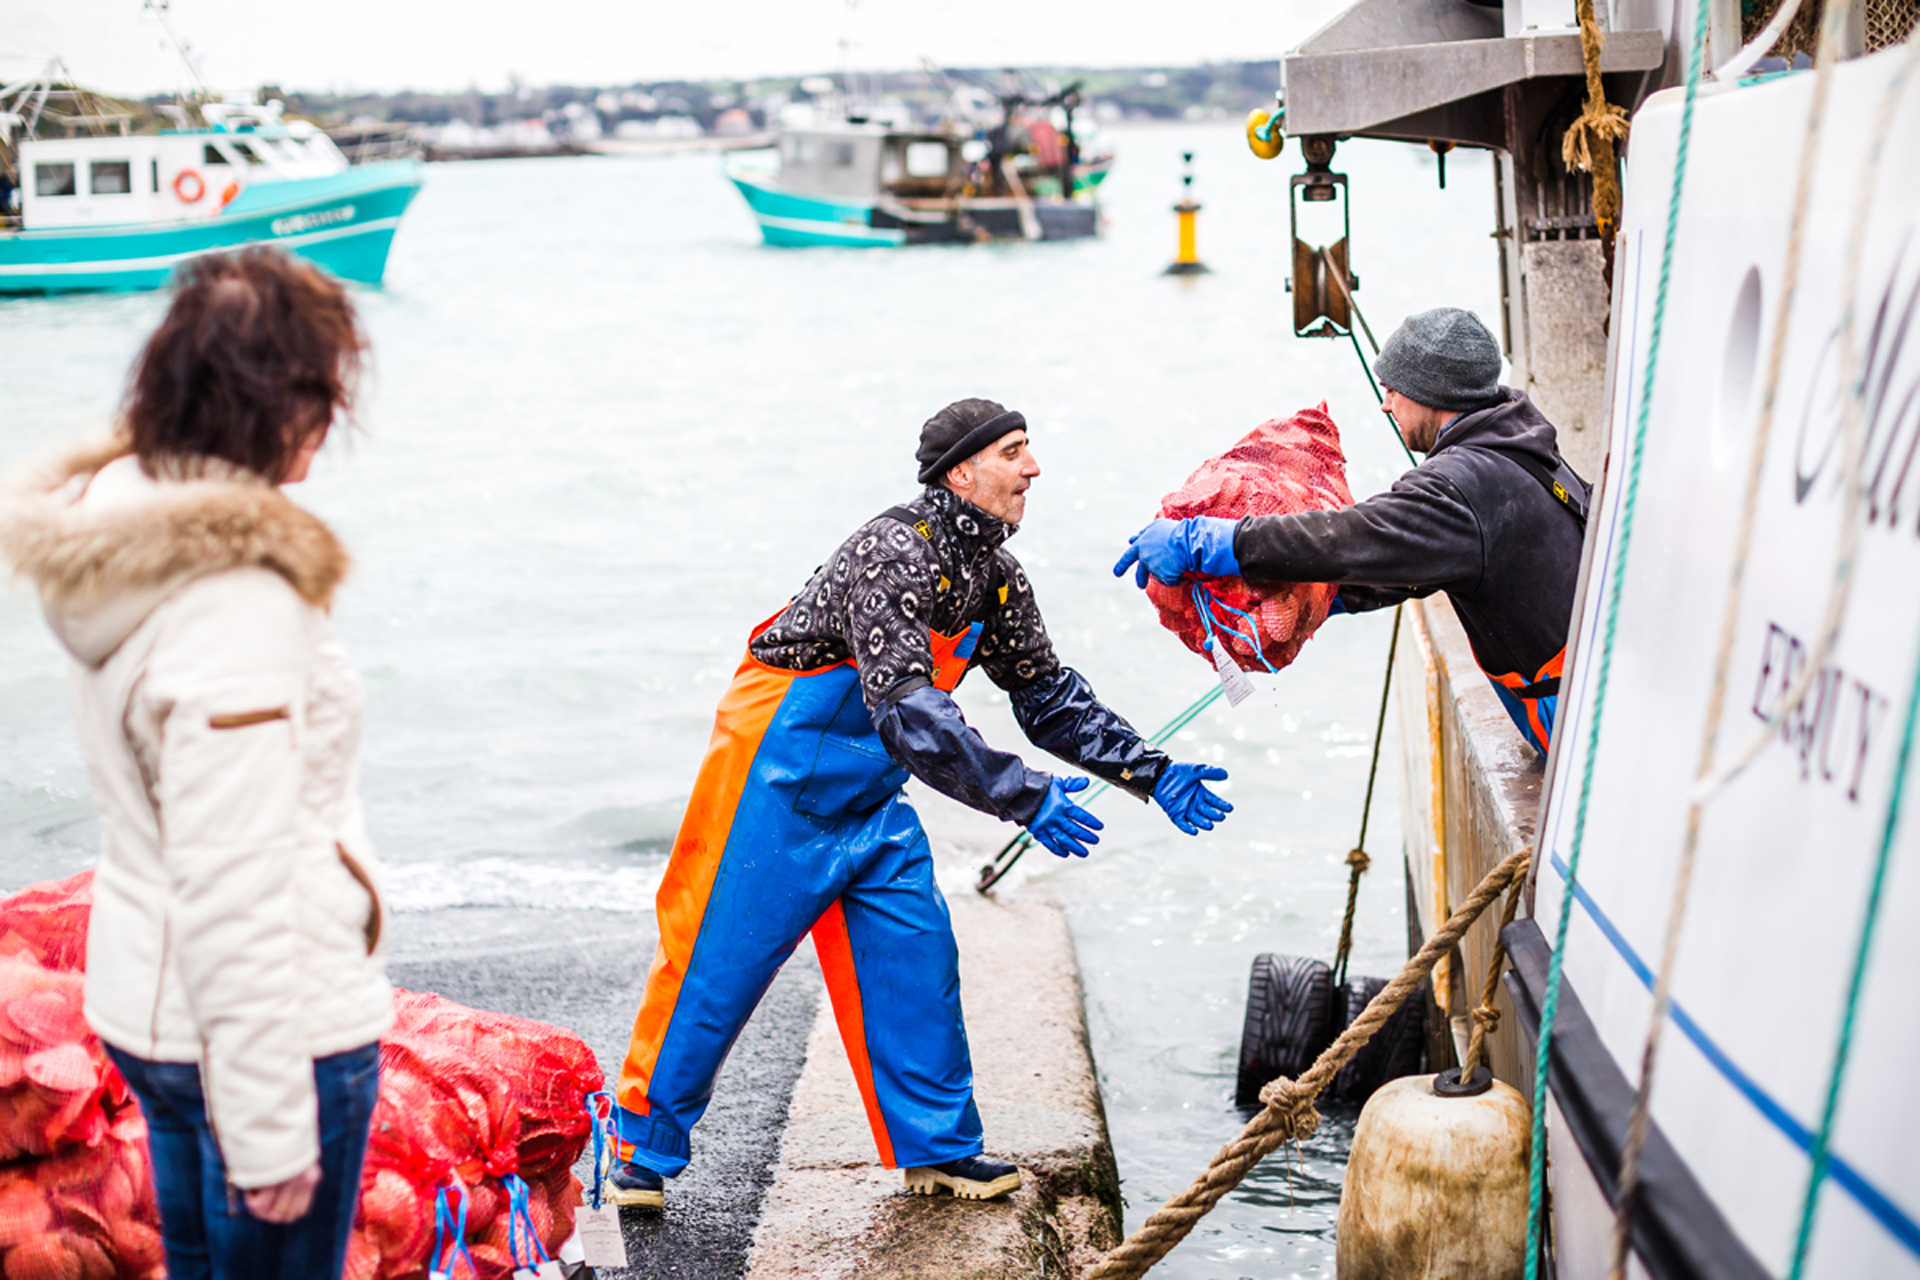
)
(861, 184)
(121, 211)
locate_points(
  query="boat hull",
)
(344, 222)
(790, 219)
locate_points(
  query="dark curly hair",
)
(258, 351)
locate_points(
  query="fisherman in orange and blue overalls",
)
(1494, 517)
(797, 822)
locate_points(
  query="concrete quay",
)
(832, 1212)
(785, 1181)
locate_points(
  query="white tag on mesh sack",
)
(1232, 678)
(600, 1237)
(549, 1270)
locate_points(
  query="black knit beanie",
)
(1444, 359)
(961, 430)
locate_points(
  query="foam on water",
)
(608, 431)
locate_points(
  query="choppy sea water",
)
(607, 432)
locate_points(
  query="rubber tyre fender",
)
(1396, 1048)
(1289, 1020)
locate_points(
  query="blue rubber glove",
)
(1172, 549)
(1061, 825)
(1182, 793)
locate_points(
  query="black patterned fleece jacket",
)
(877, 601)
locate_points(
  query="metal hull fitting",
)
(344, 222)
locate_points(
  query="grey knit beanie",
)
(1443, 358)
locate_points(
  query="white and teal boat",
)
(122, 211)
(856, 183)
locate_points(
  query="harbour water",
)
(607, 431)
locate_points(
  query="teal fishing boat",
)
(122, 210)
(855, 183)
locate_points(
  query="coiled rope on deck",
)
(1287, 1113)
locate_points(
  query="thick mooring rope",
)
(1589, 143)
(1486, 1018)
(1287, 1113)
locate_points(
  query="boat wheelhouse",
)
(860, 184)
(122, 210)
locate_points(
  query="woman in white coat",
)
(233, 960)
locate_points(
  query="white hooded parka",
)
(237, 918)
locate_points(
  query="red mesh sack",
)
(469, 1096)
(1278, 468)
(57, 1088)
(87, 1213)
(49, 922)
(465, 1095)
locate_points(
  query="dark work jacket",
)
(876, 601)
(1469, 521)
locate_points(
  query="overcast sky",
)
(440, 44)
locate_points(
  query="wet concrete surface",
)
(585, 970)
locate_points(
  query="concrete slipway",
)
(784, 1182)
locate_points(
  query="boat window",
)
(926, 159)
(155, 174)
(839, 155)
(210, 154)
(110, 177)
(246, 153)
(53, 179)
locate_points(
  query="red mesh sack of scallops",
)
(49, 922)
(471, 1097)
(57, 1089)
(85, 1214)
(1279, 468)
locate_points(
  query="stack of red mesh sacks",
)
(1279, 468)
(464, 1095)
(76, 1194)
(474, 1098)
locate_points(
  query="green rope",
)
(1550, 1004)
(1823, 1141)
(1010, 852)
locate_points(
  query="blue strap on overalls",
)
(520, 1219)
(445, 1224)
(1204, 601)
(605, 1142)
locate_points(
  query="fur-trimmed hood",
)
(106, 544)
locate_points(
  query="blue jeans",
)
(208, 1232)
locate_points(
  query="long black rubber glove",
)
(926, 733)
(1061, 714)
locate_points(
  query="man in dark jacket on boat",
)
(797, 822)
(1494, 517)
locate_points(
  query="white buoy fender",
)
(1436, 1186)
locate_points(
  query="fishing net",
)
(483, 1100)
(1281, 467)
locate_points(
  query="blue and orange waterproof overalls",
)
(796, 824)
(1531, 703)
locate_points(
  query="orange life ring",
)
(180, 181)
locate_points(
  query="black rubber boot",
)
(635, 1185)
(969, 1178)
